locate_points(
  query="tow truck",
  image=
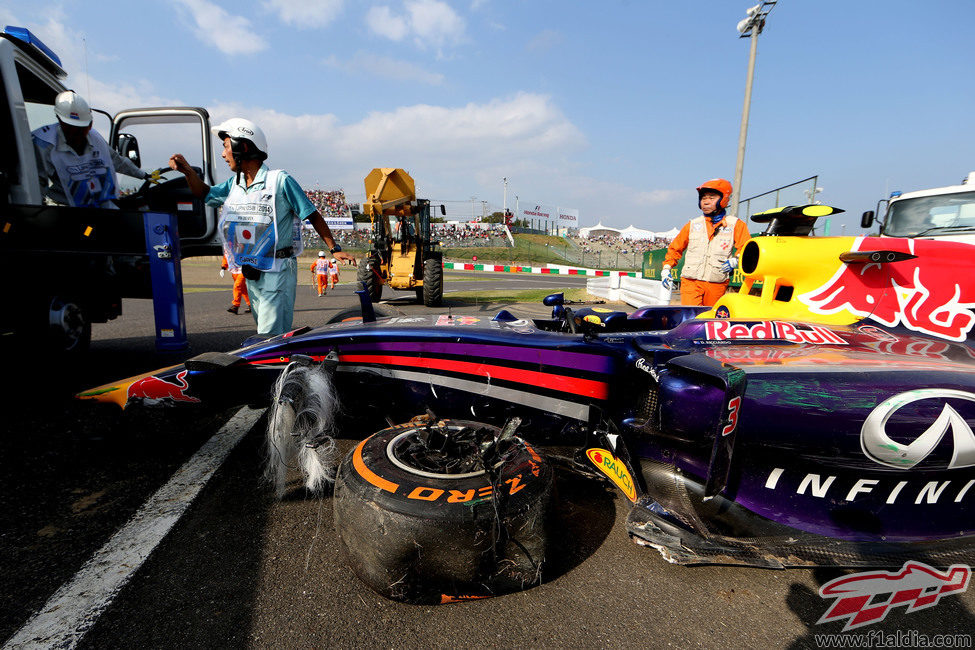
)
(68, 267)
(939, 213)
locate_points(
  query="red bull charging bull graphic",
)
(930, 293)
(154, 388)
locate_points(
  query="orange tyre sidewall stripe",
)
(368, 474)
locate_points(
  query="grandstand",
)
(331, 204)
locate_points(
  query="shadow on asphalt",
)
(205, 598)
(72, 472)
(583, 515)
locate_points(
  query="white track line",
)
(75, 607)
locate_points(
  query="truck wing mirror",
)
(128, 147)
(867, 219)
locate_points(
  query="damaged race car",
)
(820, 417)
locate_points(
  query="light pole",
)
(750, 27)
(473, 198)
(505, 181)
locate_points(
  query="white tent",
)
(632, 232)
(670, 234)
(598, 229)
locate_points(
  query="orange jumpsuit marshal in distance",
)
(707, 241)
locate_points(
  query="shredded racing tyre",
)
(430, 513)
(432, 282)
(369, 273)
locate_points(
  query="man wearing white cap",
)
(260, 222)
(75, 165)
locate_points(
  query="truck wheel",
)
(432, 282)
(422, 520)
(369, 273)
(68, 327)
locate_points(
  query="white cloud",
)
(435, 22)
(213, 25)
(385, 68)
(451, 151)
(454, 153)
(524, 124)
(305, 14)
(383, 22)
(431, 23)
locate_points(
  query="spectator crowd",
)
(465, 235)
(612, 245)
(330, 204)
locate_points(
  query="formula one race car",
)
(825, 420)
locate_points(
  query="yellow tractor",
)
(402, 255)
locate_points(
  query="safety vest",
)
(704, 257)
(333, 268)
(249, 223)
(321, 267)
(88, 179)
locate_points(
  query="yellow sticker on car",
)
(614, 468)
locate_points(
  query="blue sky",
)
(617, 108)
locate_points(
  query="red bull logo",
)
(932, 293)
(916, 586)
(154, 388)
(725, 330)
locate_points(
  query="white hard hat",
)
(332, 260)
(237, 128)
(321, 253)
(72, 109)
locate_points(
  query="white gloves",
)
(222, 273)
(666, 280)
(729, 265)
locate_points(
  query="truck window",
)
(38, 98)
(929, 214)
(159, 138)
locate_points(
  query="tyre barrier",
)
(423, 519)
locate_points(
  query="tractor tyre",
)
(433, 282)
(369, 274)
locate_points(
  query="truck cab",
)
(69, 267)
(939, 213)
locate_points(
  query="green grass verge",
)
(530, 295)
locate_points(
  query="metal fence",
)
(573, 255)
(798, 193)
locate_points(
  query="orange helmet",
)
(719, 185)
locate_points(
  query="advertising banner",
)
(537, 214)
(568, 218)
(340, 221)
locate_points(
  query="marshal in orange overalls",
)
(240, 288)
